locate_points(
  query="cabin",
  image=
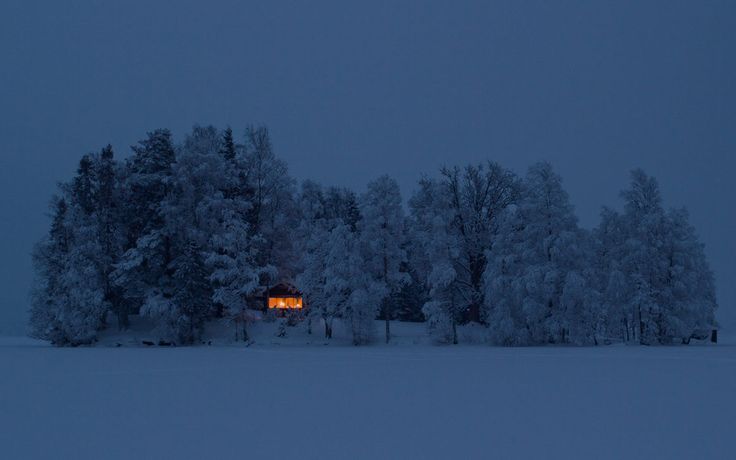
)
(284, 298)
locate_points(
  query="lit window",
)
(285, 302)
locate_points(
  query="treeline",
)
(185, 233)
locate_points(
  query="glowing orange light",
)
(284, 302)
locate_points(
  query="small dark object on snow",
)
(163, 343)
(281, 332)
(148, 343)
(118, 344)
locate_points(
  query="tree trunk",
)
(388, 329)
(454, 332)
(328, 329)
(474, 312)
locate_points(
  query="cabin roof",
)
(284, 290)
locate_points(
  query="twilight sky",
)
(354, 90)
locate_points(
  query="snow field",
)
(337, 401)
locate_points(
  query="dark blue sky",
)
(351, 91)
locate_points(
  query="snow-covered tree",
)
(270, 190)
(210, 207)
(434, 250)
(69, 302)
(234, 273)
(49, 263)
(72, 293)
(411, 297)
(654, 277)
(537, 291)
(110, 233)
(184, 233)
(690, 285)
(333, 275)
(608, 240)
(341, 204)
(228, 150)
(453, 223)
(147, 180)
(142, 272)
(311, 280)
(192, 293)
(320, 212)
(381, 233)
(192, 210)
(349, 288)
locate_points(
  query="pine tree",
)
(142, 272)
(83, 305)
(109, 235)
(84, 184)
(68, 305)
(192, 293)
(341, 203)
(228, 149)
(147, 182)
(49, 262)
(411, 297)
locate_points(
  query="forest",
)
(185, 233)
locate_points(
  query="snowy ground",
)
(292, 400)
